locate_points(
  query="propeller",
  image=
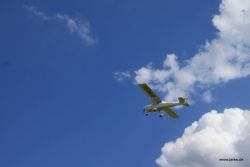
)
(145, 112)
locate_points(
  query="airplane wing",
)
(170, 112)
(150, 93)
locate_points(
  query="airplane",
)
(159, 105)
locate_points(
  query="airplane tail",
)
(183, 101)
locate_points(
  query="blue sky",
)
(60, 104)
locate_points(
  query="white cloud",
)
(36, 12)
(82, 29)
(207, 96)
(122, 76)
(220, 60)
(75, 25)
(214, 136)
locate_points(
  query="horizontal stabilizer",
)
(183, 101)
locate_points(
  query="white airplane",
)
(159, 105)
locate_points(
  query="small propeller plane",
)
(159, 105)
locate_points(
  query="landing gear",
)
(161, 115)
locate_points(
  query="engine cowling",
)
(155, 109)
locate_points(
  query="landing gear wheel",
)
(161, 115)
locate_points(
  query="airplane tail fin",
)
(183, 101)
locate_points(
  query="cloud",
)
(207, 96)
(215, 136)
(122, 76)
(218, 61)
(82, 29)
(36, 12)
(75, 25)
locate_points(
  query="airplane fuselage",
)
(160, 106)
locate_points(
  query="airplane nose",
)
(145, 112)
